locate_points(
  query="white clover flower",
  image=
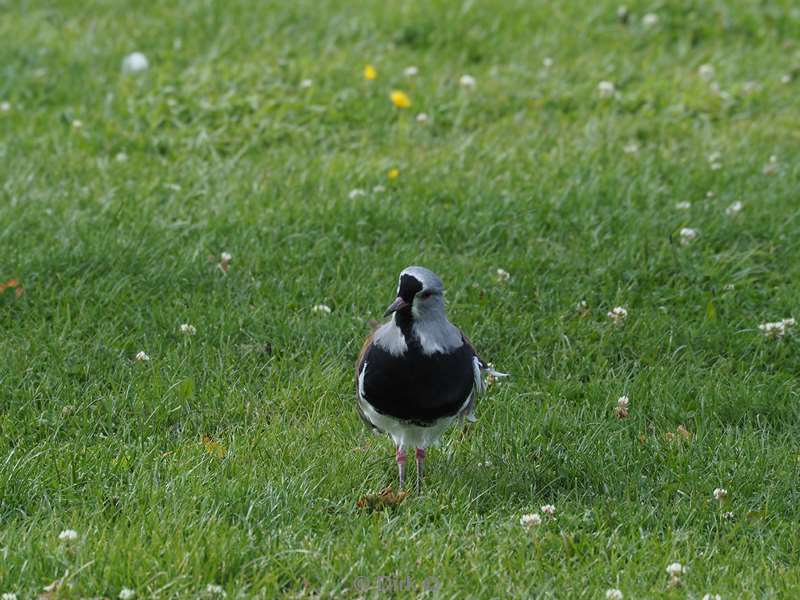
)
(712, 597)
(410, 71)
(734, 209)
(77, 124)
(121, 157)
(617, 314)
(356, 193)
(706, 71)
(710, 194)
(777, 329)
(683, 205)
(720, 493)
(631, 148)
(714, 161)
(650, 19)
(321, 309)
(5, 106)
(606, 89)
(224, 261)
(8, 596)
(467, 81)
(306, 83)
(126, 594)
(188, 329)
(786, 78)
(503, 275)
(727, 515)
(68, 535)
(422, 118)
(688, 235)
(623, 13)
(215, 590)
(135, 62)
(379, 189)
(621, 411)
(549, 509)
(530, 520)
(142, 356)
(675, 569)
(547, 62)
(614, 594)
(772, 329)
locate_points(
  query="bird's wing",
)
(360, 363)
(479, 368)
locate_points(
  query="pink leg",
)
(400, 457)
(420, 467)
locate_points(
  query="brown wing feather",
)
(362, 354)
(359, 365)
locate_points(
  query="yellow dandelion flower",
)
(370, 73)
(393, 174)
(400, 99)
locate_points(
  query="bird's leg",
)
(420, 467)
(400, 457)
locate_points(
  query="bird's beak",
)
(395, 306)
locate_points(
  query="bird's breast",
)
(415, 386)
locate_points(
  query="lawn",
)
(591, 158)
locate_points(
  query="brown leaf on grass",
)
(685, 433)
(11, 284)
(620, 412)
(213, 447)
(385, 499)
(8, 284)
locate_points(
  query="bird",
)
(418, 374)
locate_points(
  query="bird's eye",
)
(426, 295)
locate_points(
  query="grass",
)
(227, 152)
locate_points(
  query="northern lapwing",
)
(418, 373)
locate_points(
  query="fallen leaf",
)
(213, 447)
(11, 283)
(385, 499)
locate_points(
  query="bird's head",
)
(420, 295)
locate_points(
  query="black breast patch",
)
(416, 387)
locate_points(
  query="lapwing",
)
(418, 373)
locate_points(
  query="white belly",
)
(405, 434)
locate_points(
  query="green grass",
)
(226, 152)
